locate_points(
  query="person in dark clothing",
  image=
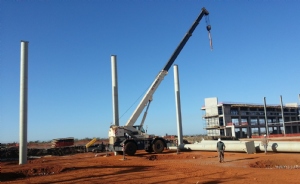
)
(220, 150)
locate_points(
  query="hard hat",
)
(265, 135)
(219, 139)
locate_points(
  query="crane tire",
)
(130, 148)
(158, 146)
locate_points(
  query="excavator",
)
(130, 138)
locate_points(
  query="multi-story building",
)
(248, 120)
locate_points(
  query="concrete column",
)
(23, 102)
(178, 105)
(266, 118)
(299, 106)
(115, 95)
(282, 115)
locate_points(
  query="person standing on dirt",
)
(265, 142)
(220, 150)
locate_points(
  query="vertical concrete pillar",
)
(282, 115)
(178, 106)
(299, 107)
(115, 95)
(266, 118)
(23, 102)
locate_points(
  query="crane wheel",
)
(158, 146)
(130, 148)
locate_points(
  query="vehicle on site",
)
(130, 138)
(96, 148)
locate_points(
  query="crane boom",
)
(177, 51)
(148, 95)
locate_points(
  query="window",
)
(222, 132)
(253, 121)
(244, 121)
(254, 131)
(281, 130)
(220, 110)
(237, 133)
(221, 122)
(262, 130)
(243, 113)
(261, 121)
(235, 121)
(244, 132)
(234, 111)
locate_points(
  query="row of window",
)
(244, 132)
(268, 109)
(259, 121)
(263, 113)
(262, 130)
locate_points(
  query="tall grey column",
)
(266, 118)
(299, 106)
(114, 77)
(282, 115)
(23, 102)
(178, 106)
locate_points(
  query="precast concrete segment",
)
(178, 105)
(232, 146)
(241, 146)
(115, 101)
(273, 146)
(23, 102)
(225, 141)
(279, 146)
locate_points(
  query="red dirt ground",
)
(169, 167)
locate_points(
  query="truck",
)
(130, 137)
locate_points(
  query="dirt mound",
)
(277, 164)
(262, 164)
(30, 172)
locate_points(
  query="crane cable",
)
(133, 103)
(208, 27)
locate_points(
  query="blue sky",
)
(256, 55)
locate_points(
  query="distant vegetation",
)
(189, 138)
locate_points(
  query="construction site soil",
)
(169, 167)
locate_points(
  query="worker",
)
(220, 150)
(265, 142)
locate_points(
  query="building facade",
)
(249, 120)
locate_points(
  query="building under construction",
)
(248, 120)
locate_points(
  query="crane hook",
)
(208, 27)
